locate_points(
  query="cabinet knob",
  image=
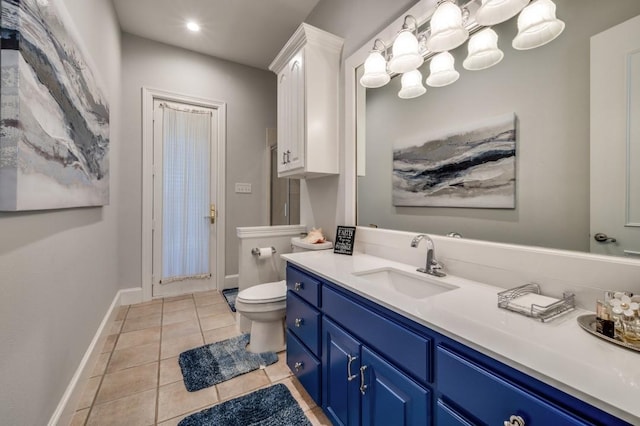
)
(350, 376)
(299, 322)
(298, 366)
(363, 387)
(514, 421)
(297, 286)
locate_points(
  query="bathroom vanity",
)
(374, 342)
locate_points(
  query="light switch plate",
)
(243, 188)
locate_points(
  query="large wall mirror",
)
(548, 90)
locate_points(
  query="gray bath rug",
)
(230, 295)
(211, 364)
(272, 406)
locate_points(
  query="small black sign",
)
(345, 238)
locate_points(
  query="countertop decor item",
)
(529, 301)
(588, 323)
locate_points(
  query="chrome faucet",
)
(432, 267)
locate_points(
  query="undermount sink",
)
(408, 283)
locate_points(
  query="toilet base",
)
(267, 336)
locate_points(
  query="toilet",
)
(263, 306)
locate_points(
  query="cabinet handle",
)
(298, 366)
(299, 322)
(363, 387)
(284, 158)
(298, 286)
(350, 376)
(514, 421)
(288, 156)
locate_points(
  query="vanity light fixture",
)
(193, 26)
(483, 50)
(375, 67)
(411, 85)
(537, 25)
(493, 12)
(406, 48)
(449, 27)
(442, 70)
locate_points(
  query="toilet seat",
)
(264, 293)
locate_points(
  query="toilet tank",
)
(298, 245)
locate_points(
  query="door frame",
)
(148, 96)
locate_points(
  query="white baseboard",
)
(230, 281)
(69, 401)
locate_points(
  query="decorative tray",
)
(588, 323)
(527, 300)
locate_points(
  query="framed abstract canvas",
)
(473, 167)
(54, 132)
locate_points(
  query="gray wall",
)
(58, 269)
(356, 21)
(250, 94)
(548, 89)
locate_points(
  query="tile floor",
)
(137, 379)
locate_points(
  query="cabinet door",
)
(340, 375)
(284, 132)
(296, 149)
(391, 398)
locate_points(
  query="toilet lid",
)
(262, 293)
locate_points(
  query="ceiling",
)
(248, 32)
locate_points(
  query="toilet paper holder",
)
(256, 251)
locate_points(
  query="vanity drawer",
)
(304, 366)
(303, 285)
(409, 351)
(491, 399)
(303, 320)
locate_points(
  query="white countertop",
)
(558, 352)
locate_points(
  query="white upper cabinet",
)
(308, 68)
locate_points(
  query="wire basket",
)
(523, 301)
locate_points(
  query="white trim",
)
(270, 231)
(305, 34)
(230, 281)
(148, 95)
(71, 397)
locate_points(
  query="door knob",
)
(212, 213)
(603, 238)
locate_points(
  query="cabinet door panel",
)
(390, 397)
(295, 157)
(490, 398)
(303, 285)
(341, 396)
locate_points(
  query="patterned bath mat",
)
(230, 295)
(211, 364)
(272, 406)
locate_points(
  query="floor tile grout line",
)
(95, 396)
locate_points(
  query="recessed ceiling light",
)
(192, 26)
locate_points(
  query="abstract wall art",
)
(54, 131)
(474, 167)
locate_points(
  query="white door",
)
(184, 198)
(615, 140)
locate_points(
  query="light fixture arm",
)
(383, 51)
(406, 24)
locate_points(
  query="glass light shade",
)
(447, 31)
(411, 85)
(442, 70)
(406, 53)
(375, 71)
(537, 25)
(492, 12)
(483, 50)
